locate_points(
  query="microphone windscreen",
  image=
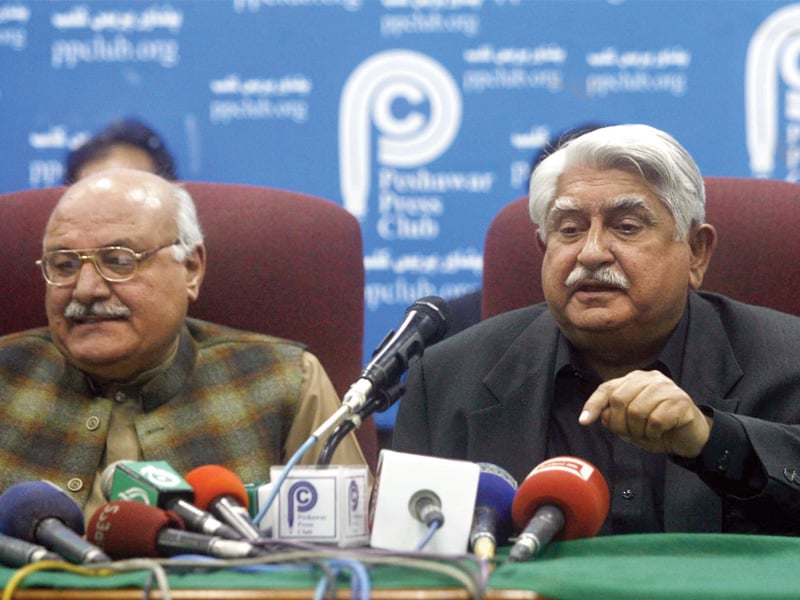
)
(107, 477)
(127, 529)
(214, 481)
(496, 489)
(24, 505)
(572, 484)
(439, 311)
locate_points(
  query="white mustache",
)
(79, 310)
(605, 275)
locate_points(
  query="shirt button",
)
(92, 423)
(75, 485)
(627, 494)
(722, 461)
(791, 475)
(120, 397)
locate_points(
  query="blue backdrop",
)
(421, 117)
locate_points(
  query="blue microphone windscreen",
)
(496, 488)
(24, 505)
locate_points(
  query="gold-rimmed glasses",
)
(113, 263)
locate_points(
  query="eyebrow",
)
(623, 202)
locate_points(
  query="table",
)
(652, 566)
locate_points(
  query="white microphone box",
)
(321, 504)
(399, 477)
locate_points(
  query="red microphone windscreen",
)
(572, 484)
(213, 481)
(126, 529)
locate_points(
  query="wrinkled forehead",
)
(134, 188)
(120, 197)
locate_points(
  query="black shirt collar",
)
(669, 360)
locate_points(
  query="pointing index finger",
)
(594, 406)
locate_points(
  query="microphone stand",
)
(379, 402)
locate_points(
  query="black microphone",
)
(127, 529)
(42, 513)
(16, 553)
(426, 322)
(154, 482)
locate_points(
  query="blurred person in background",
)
(127, 143)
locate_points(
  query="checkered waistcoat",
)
(228, 399)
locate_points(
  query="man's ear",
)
(702, 242)
(195, 265)
(539, 243)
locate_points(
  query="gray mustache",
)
(78, 310)
(604, 275)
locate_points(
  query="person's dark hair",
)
(556, 141)
(123, 132)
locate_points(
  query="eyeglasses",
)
(113, 263)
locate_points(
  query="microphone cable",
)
(329, 424)
(284, 474)
(360, 586)
(90, 570)
(432, 529)
(379, 402)
(426, 507)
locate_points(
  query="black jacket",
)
(485, 395)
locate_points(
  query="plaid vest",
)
(228, 398)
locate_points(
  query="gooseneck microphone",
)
(379, 386)
(147, 481)
(42, 513)
(492, 523)
(564, 497)
(221, 492)
(426, 321)
(127, 529)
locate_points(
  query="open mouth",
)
(595, 287)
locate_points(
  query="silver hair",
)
(638, 149)
(190, 234)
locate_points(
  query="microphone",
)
(156, 483)
(42, 513)
(562, 498)
(426, 322)
(128, 529)
(16, 553)
(492, 523)
(221, 492)
(426, 507)
(413, 494)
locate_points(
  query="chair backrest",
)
(756, 260)
(279, 262)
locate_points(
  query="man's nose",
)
(90, 284)
(596, 249)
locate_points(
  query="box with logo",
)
(151, 482)
(322, 504)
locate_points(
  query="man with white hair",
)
(122, 373)
(687, 402)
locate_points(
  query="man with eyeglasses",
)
(122, 372)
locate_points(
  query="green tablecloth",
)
(667, 566)
(637, 567)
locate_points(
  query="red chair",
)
(279, 262)
(756, 260)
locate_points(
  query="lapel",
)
(709, 372)
(514, 430)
